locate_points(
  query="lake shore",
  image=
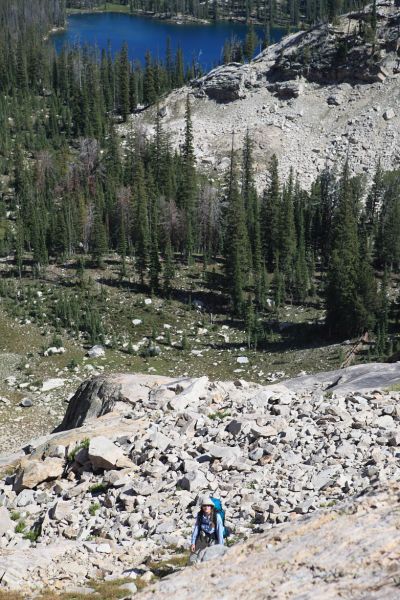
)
(179, 19)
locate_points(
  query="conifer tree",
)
(287, 233)
(122, 245)
(249, 321)
(270, 216)
(249, 194)
(149, 86)
(169, 268)
(154, 259)
(187, 187)
(349, 295)
(250, 43)
(123, 81)
(237, 259)
(387, 242)
(98, 238)
(142, 237)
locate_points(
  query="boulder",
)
(224, 84)
(33, 472)
(389, 114)
(52, 384)
(102, 394)
(242, 360)
(160, 441)
(96, 351)
(193, 481)
(26, 403)
(212, 553)
(61, 511)
(287, 89)
(25, 498)
(54, 350)
(190, 395)
(104, 454)
(129, 587)
(6, 523)
(226, 452)
(334, 100)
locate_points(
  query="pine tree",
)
(98, 243)
(387, 243)
(122, 245)
(149, 87)
(287, 234)
(155, 266)
(187, 187)
(382, 321)
(249, 322)
(250, 43)
(270, 217)
(179, 69)
(123, 81)
(349, 291)
(169, 268)
(142, 237)
(250, 199)
(237, 249)
(374, 201)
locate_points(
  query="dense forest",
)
(72, 190)
(271, 12)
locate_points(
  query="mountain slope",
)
(313, 99)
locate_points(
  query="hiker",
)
(208, 528)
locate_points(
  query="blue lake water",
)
(203, 43)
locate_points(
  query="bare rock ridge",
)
(313, 99)
(100, 499)
(325, 54)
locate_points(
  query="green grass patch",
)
(98, 488)
(219, 415)
(93, 508)
(163, 568)
(393, 388)
(20, 527)
(82, 444)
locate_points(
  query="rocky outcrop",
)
(227, 83)
(326, 54)
(101, 395)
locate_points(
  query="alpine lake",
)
(201, 43)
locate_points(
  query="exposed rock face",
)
(125, 486)
(101, 395)
(350, 551)
(226, 83)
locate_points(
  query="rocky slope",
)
(349, 551)
(312, 99)
(101, 499)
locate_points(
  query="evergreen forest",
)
(75, 194)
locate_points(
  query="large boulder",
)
(104, 454)
(103, 394)
(32, 472)
(226, 83)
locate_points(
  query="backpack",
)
(219, 509)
